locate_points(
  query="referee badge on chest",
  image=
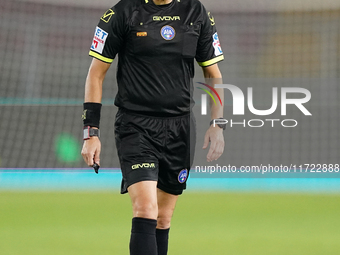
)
(168, 33)
(183, 175)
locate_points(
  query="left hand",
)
(214, 135)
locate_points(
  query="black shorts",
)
(155, 148)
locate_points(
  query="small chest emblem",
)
(168, 33)
(142, 34)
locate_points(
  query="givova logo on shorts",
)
(143, 165)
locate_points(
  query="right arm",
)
(93, 93)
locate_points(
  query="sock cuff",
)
(162, 231)
(144, 225)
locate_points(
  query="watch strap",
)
(219, 122)
(88, 132)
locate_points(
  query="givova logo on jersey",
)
(99, 39)
(168, 33)
(217, 45)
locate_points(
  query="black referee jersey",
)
(156, 47)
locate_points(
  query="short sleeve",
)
(108, 36)
(209, 49)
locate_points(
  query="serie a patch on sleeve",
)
(217, 45)
(99, 40)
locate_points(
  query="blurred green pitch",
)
(72, 223)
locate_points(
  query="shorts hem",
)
(124, 191)
(170, 191)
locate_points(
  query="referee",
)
(157, 42)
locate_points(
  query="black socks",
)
(143, 237)
(146, 239)
(162, 237)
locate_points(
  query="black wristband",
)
(91, 114)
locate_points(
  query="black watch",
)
(219, 122)
(89, 132)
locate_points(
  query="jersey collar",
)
(153, 6)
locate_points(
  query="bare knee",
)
(164, 217)
(163, 222)
(144, 199)
(166, 207)
(145, 209)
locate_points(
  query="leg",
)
(144, 205)
(144, 199)
(166, 206)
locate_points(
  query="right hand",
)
(214, 135)
(91, 151)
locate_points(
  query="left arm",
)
(214, 135)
